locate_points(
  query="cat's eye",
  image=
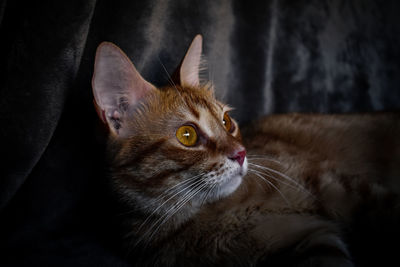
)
(227, 122)
(187, 135)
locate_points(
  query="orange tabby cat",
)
(197, 197)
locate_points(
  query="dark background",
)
(263, 57)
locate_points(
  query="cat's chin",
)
(230, 186)
(232, 182)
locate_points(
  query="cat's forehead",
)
(205, 117)
(200, 103)
(191, 100)
(196, 105)
(206, 112)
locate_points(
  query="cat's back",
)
(354, 145)
(304, 171)
(349, 164)
(302, 130)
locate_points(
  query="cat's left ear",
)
(190, 66)
(117, 86)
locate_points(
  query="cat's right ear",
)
(190, 67)
(117, 86)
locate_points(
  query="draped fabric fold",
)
(267, 57)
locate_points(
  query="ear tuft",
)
(117, 85)
(190, 67)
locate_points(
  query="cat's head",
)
(173, 144)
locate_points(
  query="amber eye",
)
(226, 121)
(187, 135)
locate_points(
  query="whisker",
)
(280, 174)
(186, 181)
(271, 184)
(258, 183)
(295, 186)
(262, 157)
(276, 179)
(166, 215)
(170, 78)
(165, 69)
(166, 193)
(207, 194)
(177, 185)
(181, 204)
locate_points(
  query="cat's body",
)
(190, 201)
(342, 163)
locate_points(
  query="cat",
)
(291, 190)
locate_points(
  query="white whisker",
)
(165, 193)
(271, 184)
(208, 193)
(295, 186)
(186, 181)
(263, 157)
(276, 179)
(143, 236)
(170, 79)
(281, 175)
(180, 204)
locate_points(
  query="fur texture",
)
(309, 176)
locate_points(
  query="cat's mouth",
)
(232, 179)
(225, 181)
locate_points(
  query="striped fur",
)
(308, 181)
(320, 171)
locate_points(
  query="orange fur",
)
(310, 178)
(336, 162)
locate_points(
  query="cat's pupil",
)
(224, 122)
(187, 134)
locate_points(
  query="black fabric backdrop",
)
(263, 57)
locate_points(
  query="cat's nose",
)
(238, 156)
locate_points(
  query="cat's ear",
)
(190, 66)
(117, 86)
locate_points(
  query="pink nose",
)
(239, 156)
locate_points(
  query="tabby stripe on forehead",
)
(211, 109)
(213, 112)
(193, 111)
